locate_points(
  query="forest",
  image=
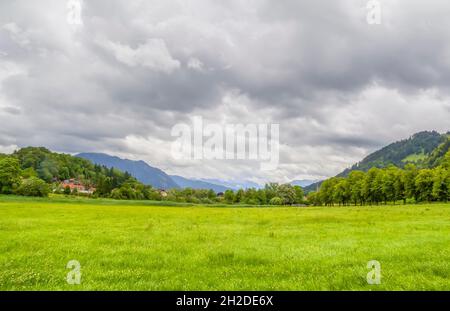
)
(35, 171)
(391, 184)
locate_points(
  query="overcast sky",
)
(339, 87)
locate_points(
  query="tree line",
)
(387, 185)
(35, 171)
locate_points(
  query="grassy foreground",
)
(127, 246)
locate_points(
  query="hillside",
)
(424, 149)
(438, 154)
(143, 172)
(415, 149)
(303, 182)
(233, 184)
(198, 184)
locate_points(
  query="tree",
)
(399, 186)
(262, 196)
(287, 193)
(9, 174)
(440, 190)
(372, 186)
(299, 195)
(446, 161)
(409, 178)
(326, 191)
(388, 184)
(276, 201)
(314, 198)
(341, 191)
(34, 187)
(250, 196)
(424, 185)
(355, 180)
(28, 172)
(229, 196)
(239, 196)
(271, 190)
(378, 194)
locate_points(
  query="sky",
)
(119, 81)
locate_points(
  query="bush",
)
(33, 187)
(67, 190)
(276, 201)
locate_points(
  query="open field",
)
(130, 246)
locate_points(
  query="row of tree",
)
(390, 184)
(38, 171)
(271, 194)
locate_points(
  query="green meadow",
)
(131, 245)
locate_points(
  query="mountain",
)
(438, 154)
(303, 182)
(197, 184)
(423, 149)
(233, 184)
(415, 149)
(143, 172)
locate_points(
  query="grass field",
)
(130, 246)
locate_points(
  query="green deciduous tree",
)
(33, 186)
(9, 174)
(424, 185)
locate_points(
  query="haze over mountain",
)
(303, 182)
(233, 184)
(139, 169)
(198, 184)
(150, 175)
(424, 149)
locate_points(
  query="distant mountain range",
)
(150, 175)
(157, 178)
(423, 149)
(143, 172)
(303, 183)
(197, 184)
(234, 184)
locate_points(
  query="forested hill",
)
(415, 149)
(143, 172)
(424, 149)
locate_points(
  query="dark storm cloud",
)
(136, 68)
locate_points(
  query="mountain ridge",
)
(141, 170)
(424, 149)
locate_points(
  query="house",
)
(75, 185)
(162, 192)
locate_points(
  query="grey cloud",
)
(309, 66)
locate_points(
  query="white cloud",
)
(17, 34)
(153, 55)
(195, 64)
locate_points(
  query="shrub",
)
(33, 187)
(67, 190)
(276, 201)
